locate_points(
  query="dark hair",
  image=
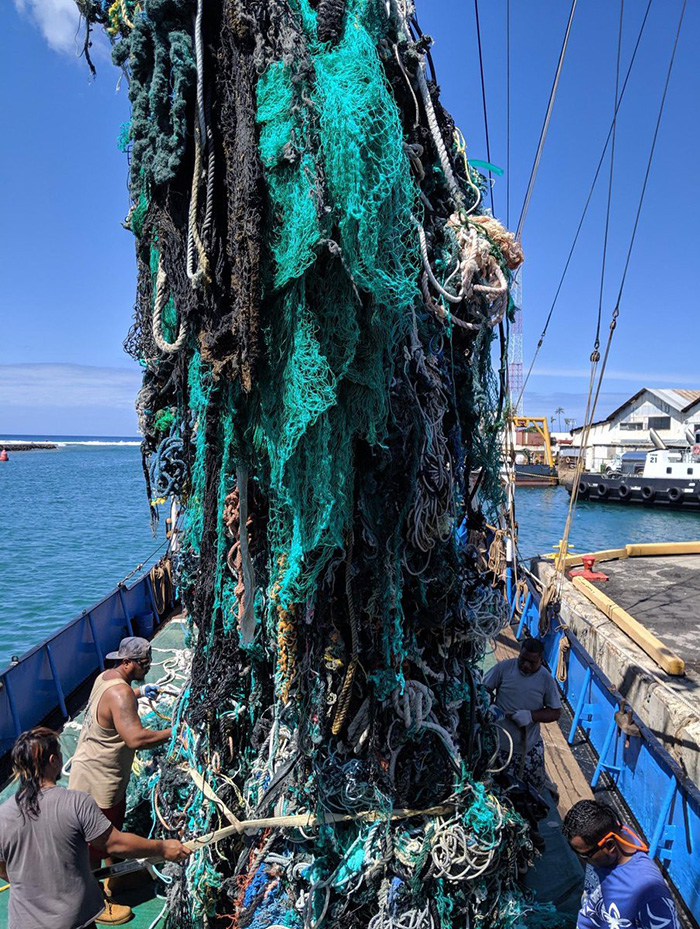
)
(590, 820)
(30, 758)
(532, 645)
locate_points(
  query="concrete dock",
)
(663, 594)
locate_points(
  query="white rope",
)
(451, 298)
(438, 139)
(476, 259)
(201, 274)
(487, 613)
(457, 855)
(162, 294)
(508, 754)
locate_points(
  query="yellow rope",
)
(461, 146)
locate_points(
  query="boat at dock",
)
(670, 479)
(531, 457)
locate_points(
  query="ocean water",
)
(541, 514)
(75, 521)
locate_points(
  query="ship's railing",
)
(41, 684)
(665, 802)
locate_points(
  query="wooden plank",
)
(646, 640)
(648, 549)
(562, 768)
(506, 645)
(560, 764)
(606, 554)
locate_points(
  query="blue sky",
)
(69, 273)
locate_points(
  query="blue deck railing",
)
(665, 802)
(43, 679)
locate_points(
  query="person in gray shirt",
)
(44, 835)
(525, 695)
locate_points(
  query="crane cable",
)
(536, 162)
(595, 355)
(545, 124)
(610, 182)
(483, 100)
(585, 209)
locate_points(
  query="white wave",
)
(60, 443)
(96, 442)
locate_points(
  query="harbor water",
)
(75, 522)
(541, 514)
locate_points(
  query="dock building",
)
(668, 411)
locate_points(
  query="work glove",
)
(496, 712)
(522, 717)
(150, 691)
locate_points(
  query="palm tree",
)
(559, 410)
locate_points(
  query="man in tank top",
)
(112, 732)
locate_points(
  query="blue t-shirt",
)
(631, 896)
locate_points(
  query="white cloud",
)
(67, 386)
(58, 20)
(642, 378)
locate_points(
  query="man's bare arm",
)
(129, 845)
(126, 721)
(3, 871)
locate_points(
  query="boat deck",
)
(663, 594)
(556, 878)
(561, 766)
(146, 904)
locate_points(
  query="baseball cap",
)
(132, 648)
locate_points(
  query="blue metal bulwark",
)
(44, 678)
(665, 803)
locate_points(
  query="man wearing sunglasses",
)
(112, 733)
(623, 888)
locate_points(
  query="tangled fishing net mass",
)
(319, 290)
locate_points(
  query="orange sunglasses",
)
(636, 845)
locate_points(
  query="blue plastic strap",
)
(604, 752)
(13, 706)
(152, 600)
(523, 615)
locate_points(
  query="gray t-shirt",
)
(518, 691)
(51, 884)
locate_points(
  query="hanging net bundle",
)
(319, 292)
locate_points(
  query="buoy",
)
(4, 456)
